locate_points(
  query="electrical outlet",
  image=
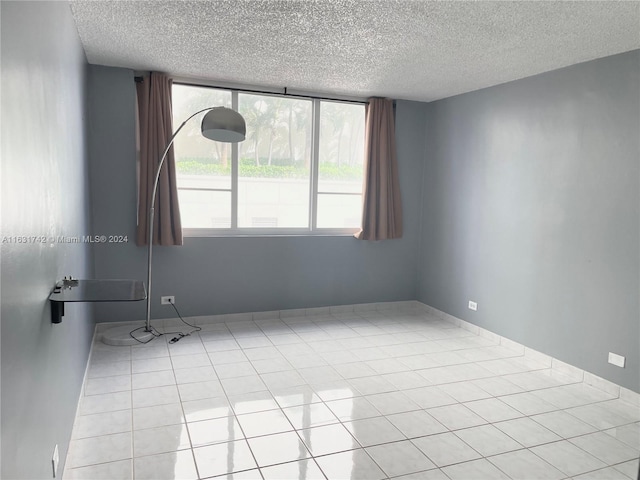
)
(168, 300)
(617, 360)
(473, 306)
(55, 460)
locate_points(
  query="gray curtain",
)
(155, 129)
(382, 206)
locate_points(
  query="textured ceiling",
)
(420, 50)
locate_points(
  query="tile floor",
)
(369, 395)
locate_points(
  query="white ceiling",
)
(418, 50)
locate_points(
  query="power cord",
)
(182, 335)
(157, 334)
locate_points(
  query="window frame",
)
(312, 229)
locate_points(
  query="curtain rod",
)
(266, 92)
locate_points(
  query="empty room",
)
(320, 240)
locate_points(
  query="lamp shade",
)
(224, 125)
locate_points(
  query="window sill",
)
(266, 232)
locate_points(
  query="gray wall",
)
(228, 275)
(44, 179)
(531, 208)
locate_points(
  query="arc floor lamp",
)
(220, 124)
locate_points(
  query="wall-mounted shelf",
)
(71, 290)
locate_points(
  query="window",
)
(299, 171)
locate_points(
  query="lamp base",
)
(121, 336)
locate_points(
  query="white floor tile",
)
(253, 342)
(497, 386)
(290, 378)
(371, 385)
(425, 398)
(416, 424)
(524, 465)
(109, 369)
(158, 416)
(528, 403)
(527, 432)
(488, 440)
(374, 431)
(186, 348)
(152, 379)
(102, 424)
(151, 365)
(230, 356)
(195, 374)
(352, 465)
(474, 470)
(218, 430)
(200, 390)
(294, 396)
(310, 415)
(270, 365)
(223, 458)
(455, 417)
(405, 380)
(122, 470)
(107, 402)
(386, 365)
(102, 385)
(629, 434)
(568, 396)
(242, 385)
(435, 474)
(337, 390)
(253, 402)
(606, 448)
(455, 373)
(598, 416)
(392, 402)
(160, 440)
(278, 448)
(264, 423)
(149, 397)
(417, 362)
(339, 357)
(430, 397)
(400, 458)
(235, 370)
(305, 361)
(324, 373)
(206, 409)
(533, 380)
(152, 350)
(353, 408)
(213, 343)
(355, 370)
(563, 424)
(608, 473)
(445, 449)
(190, 361)
(630, 468)
(327, 439)
(568, 458)
(299, 470)
(93, 450)
(493, 410)
(624, 409)
(464, 391)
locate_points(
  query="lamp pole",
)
(152, 211)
